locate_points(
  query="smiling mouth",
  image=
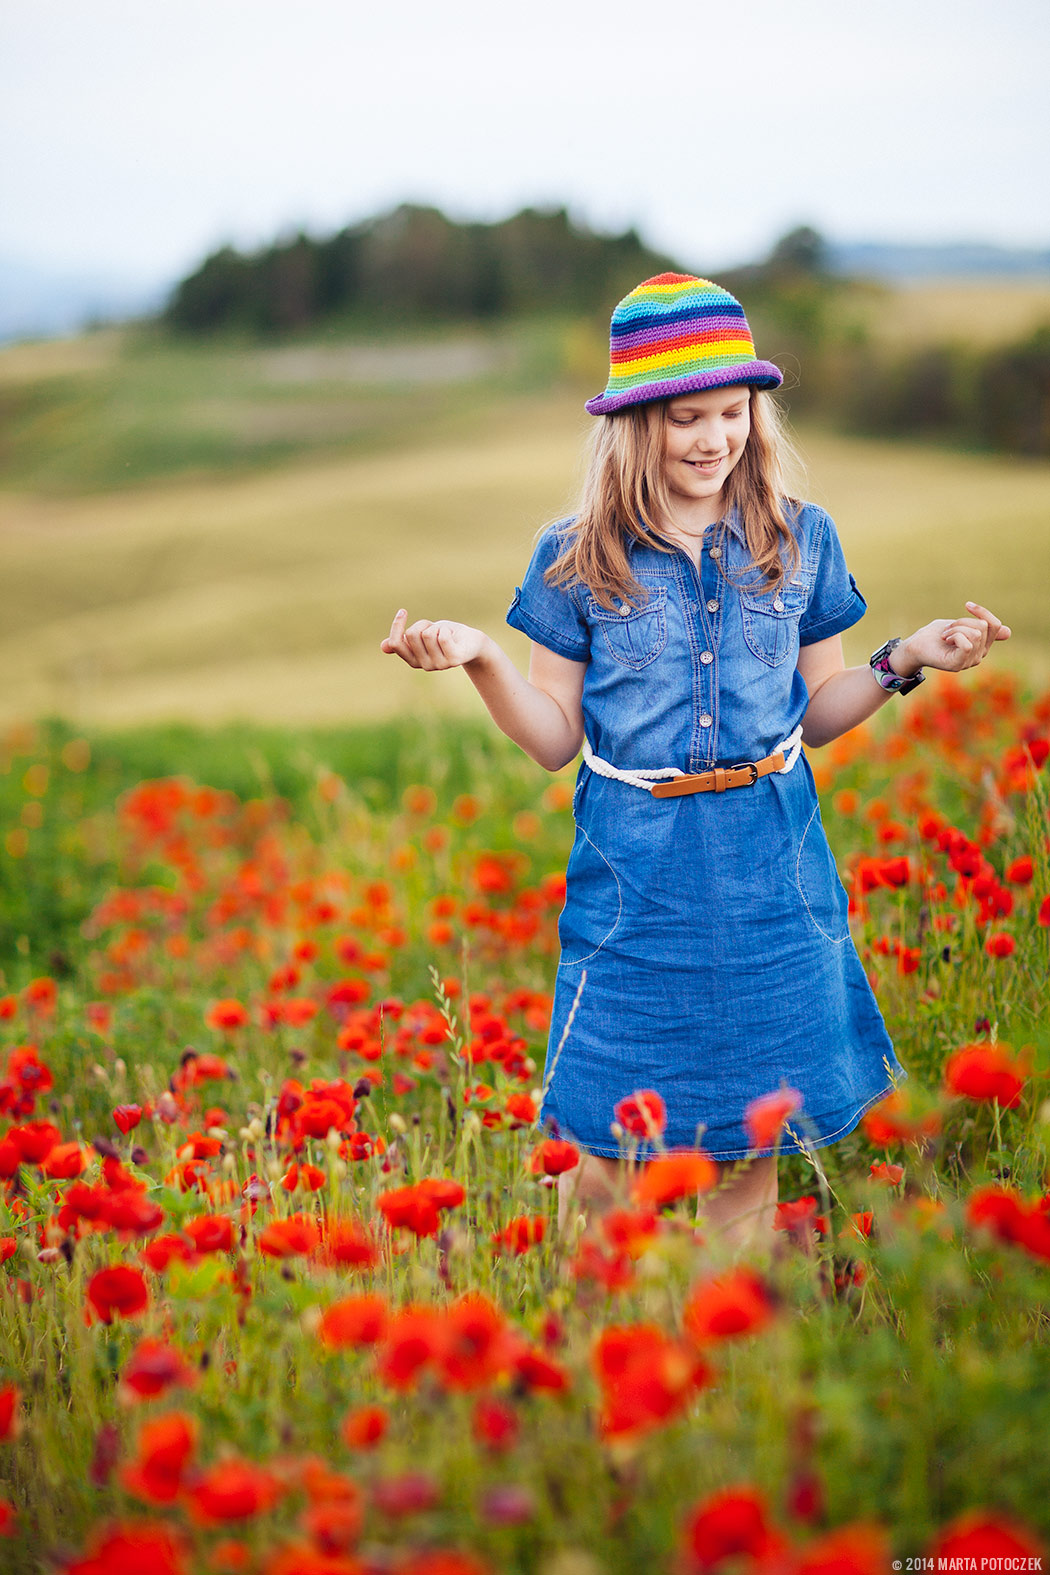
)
(706, 464)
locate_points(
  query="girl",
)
(686, 634)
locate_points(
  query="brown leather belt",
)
(722, 777)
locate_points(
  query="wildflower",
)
(8, 1519)
(127, 1116)
(892, 1175)
(986, 1071)
(227, 1014)
(891, 1121)
(645, 1377)
(409, 1494)
(290, 1237)
(414, 1337)
(418, 1208)
(765, 1116)
(1011, 1219)
(673, 1176)
(347, 1244)
(118, 1292)
(800, 1217)
(1021, 870)
(210, 1233)
(153, 1368)
(133, 1548)
(553, 1157)
(495, 1424)
(365, 1426)
(983, 1535)
(10, 1420)
(516, 1237)
(475, 1346)
(738, 1302)
(731, 1522)
(356, 1320)
(858, 1549)
(64, 1161)
(643, 1114)
(232, 1490)
(34, 1141)
(165, 1448)
(1000, 945)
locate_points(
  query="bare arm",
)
(543, 714)
(842, 697)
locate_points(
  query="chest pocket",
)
(637, 637)
(771, 620)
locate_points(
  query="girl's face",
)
(704, 437)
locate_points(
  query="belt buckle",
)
(746, 765)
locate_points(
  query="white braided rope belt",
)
(791, 748)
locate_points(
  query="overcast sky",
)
(137, 134)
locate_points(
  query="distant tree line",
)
(416, 264)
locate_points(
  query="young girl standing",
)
(686, 634)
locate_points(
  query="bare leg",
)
(742, 1208)
(589, 1188)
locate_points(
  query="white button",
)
(712, 606)
(706, 656)
(716, 552)
(624, 608)
(705, 720)
(779, 605)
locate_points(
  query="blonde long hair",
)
(624, 496)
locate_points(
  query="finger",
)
(431, 644)
(1003, 632)
(415, 642)
(392, 641)
(994, 623)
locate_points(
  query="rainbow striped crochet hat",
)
(675, 334)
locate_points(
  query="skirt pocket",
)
(593, 902)
(823, 894)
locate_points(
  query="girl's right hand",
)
(433, 646)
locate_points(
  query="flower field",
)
(283, 1289)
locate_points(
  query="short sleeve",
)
(550, 614)
(834, 602)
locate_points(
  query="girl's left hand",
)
(953, 644)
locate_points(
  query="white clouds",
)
(137, 135)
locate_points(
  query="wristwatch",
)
(879, 662)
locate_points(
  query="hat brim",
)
(759, 374)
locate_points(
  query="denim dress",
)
(712, 927)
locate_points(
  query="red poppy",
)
(357, 1320)
(800, 1217)
(165, 1449)
(157, 1254)
(982, 1535)
(495, 1423)
(153, 1368)
(227, 1014)
(882, 1170)
(731, 1522)
(10, 1420)
(1003, 1212)
(409, 1494)
(737, 1302)
(765, 1116)
(8, 1519)
(365, 1426)
(416, 1208)
(134, 1548)
(290, 1237)
(34, 1141)
(672, 1176)
(645, 1377)
(860, 1549)
(210, 1233)
(986, 1071)
(516, 1237)
(233, 1490)
(476, 1344)
(643, 1114)
(119, 1292)
(348, 1244)
(310, 1177)
(1000, 944)
(553, 1157)
(64, 1161)
(131, 1212)
(127, 1116)
(414, 1337)
(892, 1121)
(1020, 871)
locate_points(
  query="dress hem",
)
(825, 1140)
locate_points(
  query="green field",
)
(224, 532)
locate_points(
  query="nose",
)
(709, 438)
